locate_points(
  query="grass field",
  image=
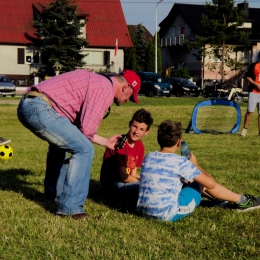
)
(30, 230)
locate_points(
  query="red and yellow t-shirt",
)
(129, 157)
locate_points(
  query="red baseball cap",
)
(134, 81)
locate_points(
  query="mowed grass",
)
(30, 229)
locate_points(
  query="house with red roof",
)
(147, 35)
(106, 26)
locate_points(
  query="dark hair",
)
(142, 116)
(169, 132)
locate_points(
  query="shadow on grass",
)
(123, 202)
(12, 180)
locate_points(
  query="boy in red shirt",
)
(119, 174)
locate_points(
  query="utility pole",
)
(156, 36)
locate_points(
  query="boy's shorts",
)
(189, 199)
(253, 99)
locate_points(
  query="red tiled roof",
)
(147, 34)
(106, 21)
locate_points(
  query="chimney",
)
(244, 6)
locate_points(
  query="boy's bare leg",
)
(220, 192)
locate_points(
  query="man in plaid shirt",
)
(66, 111)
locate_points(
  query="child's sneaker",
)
(251, 203)
(219, 203)
(243, 132)
(4, 141)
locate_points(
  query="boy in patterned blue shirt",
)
(171, 185)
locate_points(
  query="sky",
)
(144, 11)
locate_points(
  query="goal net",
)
(215, 116)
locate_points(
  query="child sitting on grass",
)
(162, 193)
(119, 176)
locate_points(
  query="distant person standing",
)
(66, 111)
(253, 77)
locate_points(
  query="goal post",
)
(215, 116)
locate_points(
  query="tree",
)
(222, 37)
(62, 42)
(140, 47)
(130, 59)
(182, 73)
(150, 56)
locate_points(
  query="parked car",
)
(7, 88)
(152, 84)
(182, 86)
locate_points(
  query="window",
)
(28, 59)
(180, 65)
(20, 55)
(36, 57)
(218, 55)
(106, 58)
(245, 56)
(181, 29)
(97, 58)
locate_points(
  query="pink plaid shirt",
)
(81, 96)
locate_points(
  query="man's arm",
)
(106, 142)
(250, 80)
(205, 179)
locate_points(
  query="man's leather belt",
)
(33, 94)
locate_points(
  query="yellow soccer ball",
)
(6, 152)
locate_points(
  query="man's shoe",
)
(251, 203)
(75, 216)
(243, 132)
(4, 141)
(80, 216)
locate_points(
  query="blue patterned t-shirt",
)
(162, 177)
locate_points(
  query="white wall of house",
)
(9, 61)
(96, 58)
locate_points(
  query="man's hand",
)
(111, 142)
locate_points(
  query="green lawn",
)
(30, 230)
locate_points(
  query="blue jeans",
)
(125, 192)
(68, 183)
(131, 186)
